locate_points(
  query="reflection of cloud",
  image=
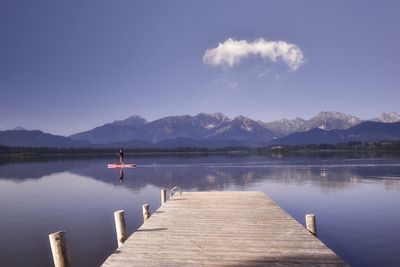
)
(232, 52)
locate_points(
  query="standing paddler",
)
(121, 156)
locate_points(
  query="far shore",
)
(356, 149)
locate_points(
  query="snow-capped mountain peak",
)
(388, 117)
(245, 123)
(335, 115)
(329, 120)
(210, 121)
(326, 120)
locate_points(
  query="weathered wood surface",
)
(59, 249)
(120, 227)
(222, 229)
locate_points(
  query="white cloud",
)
(232, 52)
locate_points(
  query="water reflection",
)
(204, 173)
(350, 196)
(121, 176)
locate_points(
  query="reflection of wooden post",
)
(120, 227)
(310, 223)
(59, 249)
(146, 212)
(163, 196)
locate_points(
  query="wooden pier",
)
(222, 229)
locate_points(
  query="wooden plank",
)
(222, 229)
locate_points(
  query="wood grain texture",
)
(163, 196)
(222, 229)
(120, 227)
(59, 249)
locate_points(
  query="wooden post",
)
(146, 212)
(310, 223)
(59, 249)
(163, 196)
(120, 227)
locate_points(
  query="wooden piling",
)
(163, 196)
(120, 227)
(146, 212)
(311, 224)
(59, 249)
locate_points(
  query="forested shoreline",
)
(391, 147)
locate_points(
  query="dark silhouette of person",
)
(121, 176)
(121, 156)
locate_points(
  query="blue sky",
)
(72, 65)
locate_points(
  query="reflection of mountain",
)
(169, 174)
(18, 170)
(328, 179)
(219, 173)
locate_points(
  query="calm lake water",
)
(357, 201)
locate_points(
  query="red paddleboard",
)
(113, 166)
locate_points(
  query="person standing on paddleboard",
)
(121, 156)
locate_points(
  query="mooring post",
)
(146, 212)
(120, 227)
(59, 249)
(310, 223)
(163, 196)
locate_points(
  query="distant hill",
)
(117, 131)
(366, 131)
(37, 138)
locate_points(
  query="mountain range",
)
(200, 127)
(216, 130)
(324, 120)
(366, 131)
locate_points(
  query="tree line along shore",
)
(389, 147)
